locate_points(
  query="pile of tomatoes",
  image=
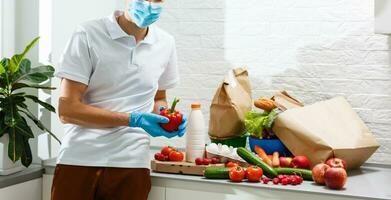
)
(238, 173)
(168, 153)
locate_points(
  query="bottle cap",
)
(195, 105)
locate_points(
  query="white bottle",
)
(195, 135)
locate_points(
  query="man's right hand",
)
(151, 124)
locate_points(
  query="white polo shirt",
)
(121, 76)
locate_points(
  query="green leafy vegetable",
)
(256, 122)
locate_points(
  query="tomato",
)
(236, 174)
(159, 156)
(206, 161)
(167, 150)
(176, 156)
(254, 173)
(198, 161)
(232, 164)
(215, 160)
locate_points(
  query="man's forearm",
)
(75, 112)
(158, 103)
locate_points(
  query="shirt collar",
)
(115, 31)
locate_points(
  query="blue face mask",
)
(144, 13)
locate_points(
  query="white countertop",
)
(371, 181)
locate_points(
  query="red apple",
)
(336, 162)
(285, 162)
(335, 178)
(318, 173)
(301, 162)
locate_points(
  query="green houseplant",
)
(16, 73)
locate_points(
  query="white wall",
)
(316, 49)
(7, 28)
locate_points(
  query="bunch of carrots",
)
(272, 160)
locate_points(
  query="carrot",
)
(270, 157)
(262, 154)
(276, 159)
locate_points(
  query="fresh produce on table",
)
(262, 154)
(237, 174)
(265, 180)
(167, 150)
(205, 161)
(318, 173)
(214, 160)
(332, 173)
(259, 125)
(336, 162)
(176, 156)
(285, 161)
(301, 162)
(232, 164)
(305, 173)
(335, 178)
(286, 180)
(265, 104)
(173, 115)
(254, 173)
(168, 153)
(217, 172)
(199, 161)
(255, 160)
(276, 159)
(159, 156)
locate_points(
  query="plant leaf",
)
(23, 128)
(26, 157)
(2, 69)
(16, 59)
(44, 104)
(3, 127)
(47, 70)
(11, 115)
(17, 86)
(39, 123)
(36, 77)
(14, 145)
(37, 74)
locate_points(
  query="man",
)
(115, 71)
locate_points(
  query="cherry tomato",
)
(176, 156)
(236, 174)
(159, 156)
(167, 150)
(205, 161)
(198, 161)
(232, 164)
(254, 173)
(215, 160)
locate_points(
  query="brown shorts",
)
(100, 183)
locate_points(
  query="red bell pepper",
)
(173, 115)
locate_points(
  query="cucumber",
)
(217, 172)
(252, 159)
(305, 173)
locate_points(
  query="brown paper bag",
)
(229, 105)
(284, 101)
(326, 129)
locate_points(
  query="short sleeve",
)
(170, 76)
(75, 63)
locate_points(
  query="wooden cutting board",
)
(180, 167)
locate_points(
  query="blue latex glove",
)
(150, 123)
(182, 127)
